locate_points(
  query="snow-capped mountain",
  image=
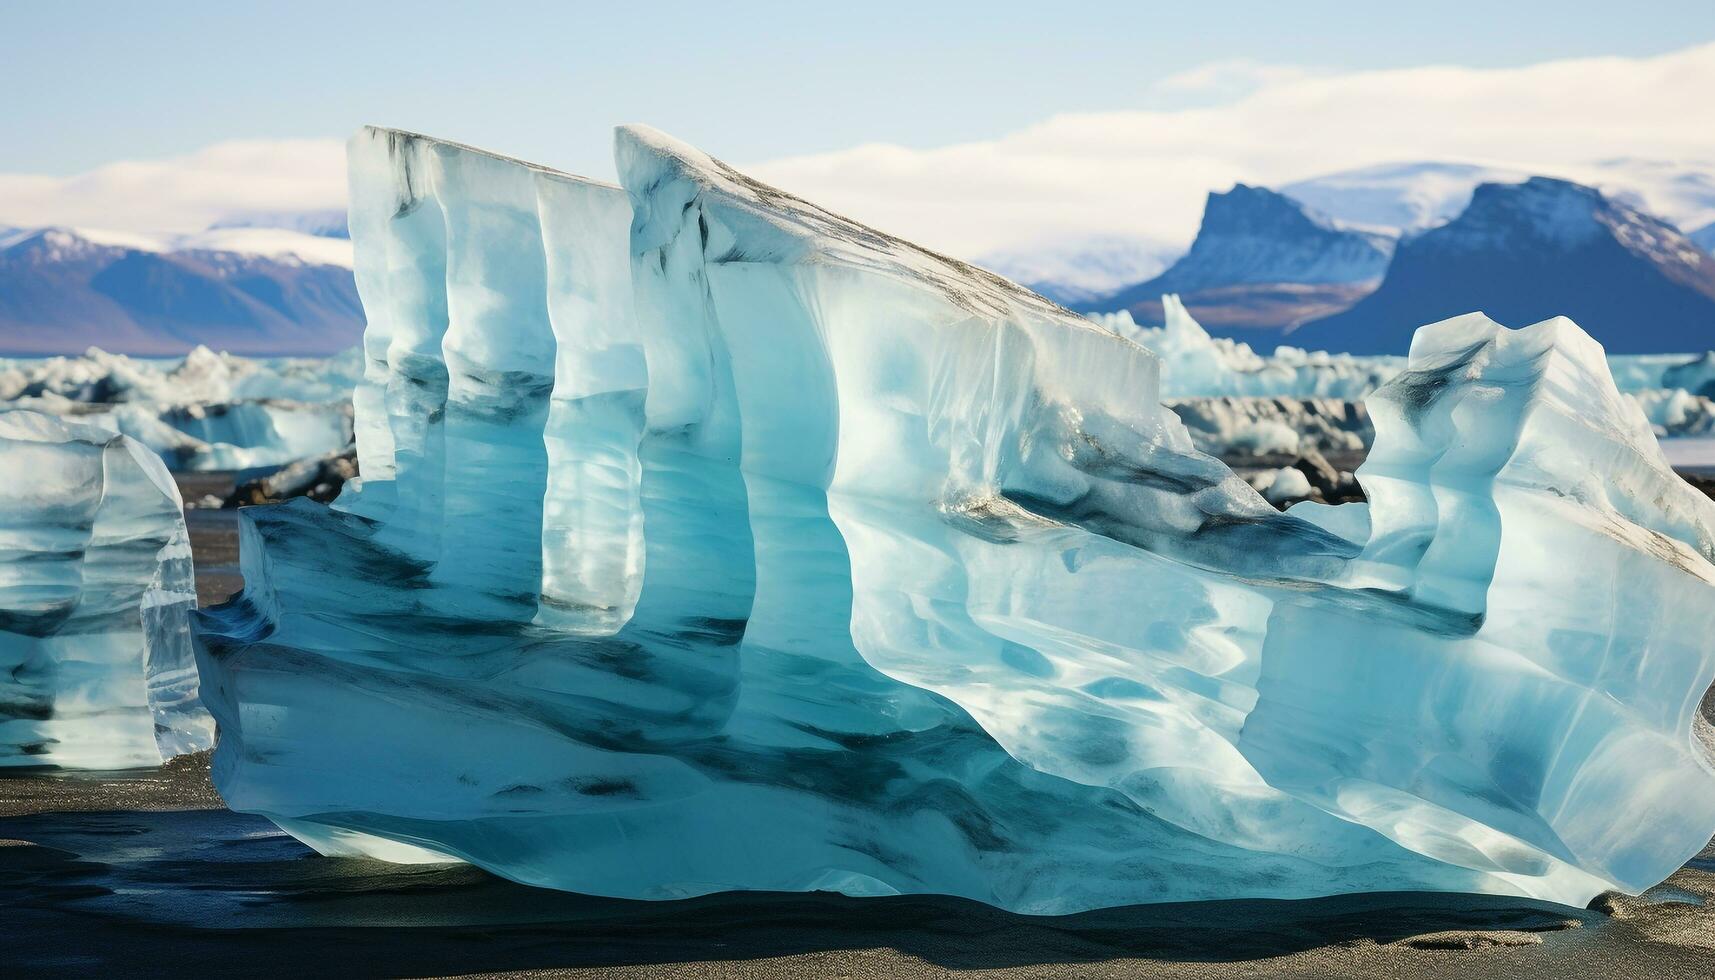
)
(323, 223)
(1261, 261)
(1704, 238)
(245, 290)
(1398, 197)
(1682, 193)
(1077, 270)
(1524, 252)
(1405, 197)
(275, 243)
(1255, 235)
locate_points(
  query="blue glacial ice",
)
(708, 540)
(96, 594)
(1196, 365)
(207, 411)
(1236, 402)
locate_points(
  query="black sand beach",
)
(147, 874)
(214, 536)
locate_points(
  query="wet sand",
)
(214, 536)
(143, 874)
(181, 784)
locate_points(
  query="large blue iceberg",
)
(708, 540)
(96, 594)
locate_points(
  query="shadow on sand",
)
(202, 891)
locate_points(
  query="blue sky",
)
(967, 127)
(92, 82)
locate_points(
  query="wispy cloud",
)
(1138, 173)
(1224, 81)
(1145, 172)
(182, 194)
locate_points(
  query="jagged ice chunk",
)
(96, 594)
(709, 540)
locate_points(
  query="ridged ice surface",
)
(96, 594)
(707, 540)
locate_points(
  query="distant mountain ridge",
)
(62, 290)
(1398, 198)
(323, 223)
(1528, 251)
(1255, 235)
(1401, 198)
(1261, 262)
(1704, 238)
(1264, 267)
(1076, 271)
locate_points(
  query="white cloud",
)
(1145, 172)
(1140, 173)
(1225, 81)
(182, 194)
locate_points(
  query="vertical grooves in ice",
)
(728, 543)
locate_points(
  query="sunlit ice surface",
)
(96, 593)
(708, 540)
